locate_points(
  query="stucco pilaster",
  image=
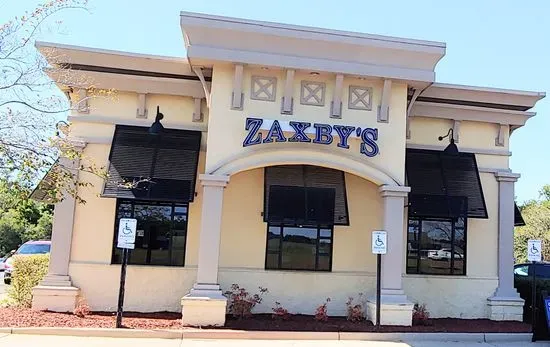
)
(205, 304)
(505, 292)
(396, 309)
(56, 292)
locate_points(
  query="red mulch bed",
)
(11, 317)
(440, 325)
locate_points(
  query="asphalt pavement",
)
(41, 340)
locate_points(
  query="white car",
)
(443, 254)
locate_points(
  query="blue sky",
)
(503, 44)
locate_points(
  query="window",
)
(299, 248)
(436, 246)
(161, 232)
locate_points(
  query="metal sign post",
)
(534, 255)
(379, 247)
(126, 240)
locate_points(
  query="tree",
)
(536, 214)
(21, 219)
(31, 105)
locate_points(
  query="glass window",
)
(298, 248)
(436, 246)
(160, 236)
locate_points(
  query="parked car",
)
(443, 254)
(523, 280)
(2, 264)
(28, 248)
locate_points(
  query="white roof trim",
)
(42, 44)
(299, 31)
(210, 39)
(469, 113)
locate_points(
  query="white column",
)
(205, 305)
(56, 292)
(209, 240)
(392, 263)
(506, 303)
(396, 309)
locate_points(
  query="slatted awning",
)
(444, 185)
(153, 167)
(518, 218)
(305, 193)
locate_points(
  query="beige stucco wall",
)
(243, 236)
(226, 128)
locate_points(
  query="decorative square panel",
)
(360, 98)
(263, 88)
(312, 93)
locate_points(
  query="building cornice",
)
(475, 95)
(469, 113)
(131, 83)
(211, 39)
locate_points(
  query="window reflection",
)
(160, 236)
(298, 248)
(436, 246)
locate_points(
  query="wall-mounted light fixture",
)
(157, 128)
(451, 148)
(57, 127)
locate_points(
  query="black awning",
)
(153, 167)
(301, 205)
(292, 190)
(518, 218)
(444, 185)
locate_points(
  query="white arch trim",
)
(248, 160)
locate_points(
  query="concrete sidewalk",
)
(41, 340)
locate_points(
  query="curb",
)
(209, 334)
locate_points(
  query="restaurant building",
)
(280, 150)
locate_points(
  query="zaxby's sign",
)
(323, 134)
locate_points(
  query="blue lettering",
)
(343, 132)
(253, 125)
(323, 134)
(369, 147)
(275, 131)
(299, 128)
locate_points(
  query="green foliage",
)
(21, 219)
(10, 233)
(29, 270)
(536, 214)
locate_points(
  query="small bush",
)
(321, 312)
(279, 312)
(241, 302)
(356, 311)
(421, 315)
(28, 271)
(82, 309)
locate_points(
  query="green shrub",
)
(28, 271)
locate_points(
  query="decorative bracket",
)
(82, 105)
(197, 112)
(198, 71)
(384, 108)
(287, 102)
(336, 105)
(237, 97)
(142, 109)
(499, 140)
(415, 95)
